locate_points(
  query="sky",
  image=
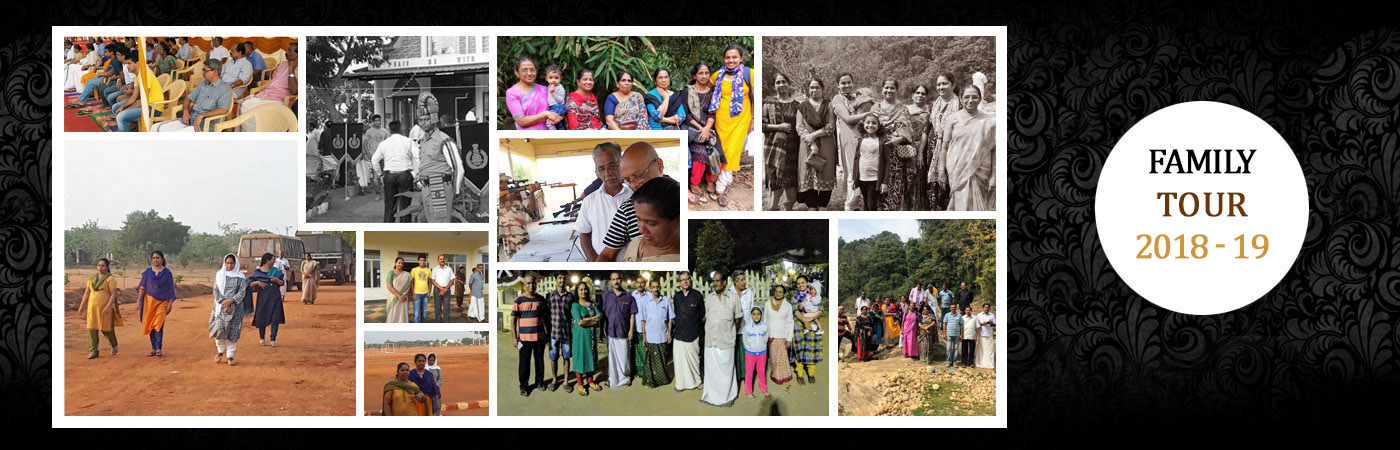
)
(376, 337)
(200, 183)
(853, 229)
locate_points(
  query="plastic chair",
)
(272, 63)
(188, 73)
(270, 118)
(163, 79)
(170, 106)
(209, 120)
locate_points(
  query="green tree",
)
(332, 97)
(946, 251)
(714, 249)
(144, 232)
(88, 237)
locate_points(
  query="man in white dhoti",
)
(620, 312)
(689, 307)
(986, 332)
(721, 323)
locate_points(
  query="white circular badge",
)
(1201, 208)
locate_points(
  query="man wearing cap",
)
(439, 162)
(210, 98)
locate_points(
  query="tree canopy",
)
(911, 60)
(332, 96)
(146, 231)
(946, 251)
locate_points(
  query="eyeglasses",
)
(608, 168)
(527, 70)
(638, 177)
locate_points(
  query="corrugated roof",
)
(373, 74)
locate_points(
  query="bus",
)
(251, 247)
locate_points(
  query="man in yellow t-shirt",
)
(421, 274)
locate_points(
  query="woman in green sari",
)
(399, 284)
(402, 397)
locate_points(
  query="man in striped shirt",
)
(640, 164)
(528, 313)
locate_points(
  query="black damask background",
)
(1320, 347)
(1084, 350)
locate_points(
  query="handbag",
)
(816, 162)
(627, 125)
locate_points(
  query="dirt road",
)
(894, 385)
(311, 372)
(465, 370)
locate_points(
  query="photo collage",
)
(479, 221)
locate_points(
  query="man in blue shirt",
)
(945, 297)
(952, 329)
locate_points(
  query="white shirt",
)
(915, 295)
(596, 213)
(218, 53)
(969, 327)
(281, 263)
(127, 75)
(861, 302)
(398, 154)
(746, 302)
(986, 320)
(236, 70)
(780, 323)
(443, 275)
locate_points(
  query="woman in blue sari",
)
(423, 378)
(665, 107)
(157, 294)
(266, 281)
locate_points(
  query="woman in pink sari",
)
(527, 100)
(910, 337)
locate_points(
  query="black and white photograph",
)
(880, 123)
(395, 129)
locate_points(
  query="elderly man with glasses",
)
(639, 164)
(599, 208)
(210, 98)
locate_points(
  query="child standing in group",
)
(756, 352)
(555, 77)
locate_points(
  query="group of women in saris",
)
(714, 108)
(415, 390)
(921, 155)
(234, 296)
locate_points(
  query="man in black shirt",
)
(964, 297)
(689, 307)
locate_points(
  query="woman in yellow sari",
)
(732, 107)
(402, 397)
(100, 303)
